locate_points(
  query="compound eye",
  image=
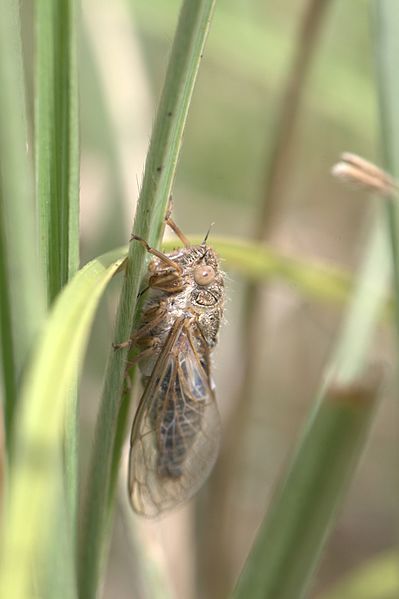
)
(204, 275)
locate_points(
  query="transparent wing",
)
(176, 431)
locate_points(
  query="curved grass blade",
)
(34, 480)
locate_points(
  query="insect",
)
(176, 429)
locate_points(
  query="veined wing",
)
(176, 430)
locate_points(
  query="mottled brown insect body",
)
(176, 430)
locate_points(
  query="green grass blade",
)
(70, 111)
(386, 17)
(8, 370)
(34, 481)
(22, 305)
(57, 187)
(290, 540)
(57, 145)
(159, 173)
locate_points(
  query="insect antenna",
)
(207, 234)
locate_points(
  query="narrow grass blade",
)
(386, 24)
(34, 480)
(8, 366)
(57, 141)
(57, 189)
(300, 518)
(159, 174)
(22, 303)
(290, 540)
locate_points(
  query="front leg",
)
(171, 223)
(163, 257)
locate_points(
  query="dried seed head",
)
(354, 169)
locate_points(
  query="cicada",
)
(176, 430)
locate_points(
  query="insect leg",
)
(155, 316)
(171, 223)
(153, 344)
(123, 344)
(157, 253)
(168, 282)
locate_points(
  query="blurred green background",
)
(123, 53)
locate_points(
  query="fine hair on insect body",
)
(176, 429)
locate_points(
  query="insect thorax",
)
(185, 297)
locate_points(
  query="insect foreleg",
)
(157, 253)
(171, 223)
(169, 282)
